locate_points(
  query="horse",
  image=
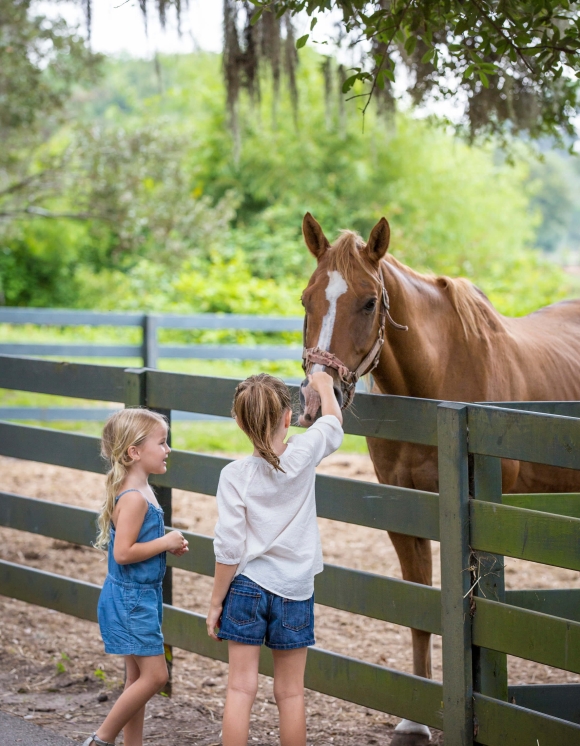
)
(431, 337)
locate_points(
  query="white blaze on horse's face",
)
(335, 288)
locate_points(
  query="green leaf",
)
(428, 56)
(410, 44)
(483, 78)
(349, 82)
(469, 71)
(302, 41)
(256, 17)
(313, 22)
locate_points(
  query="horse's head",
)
(346, 306)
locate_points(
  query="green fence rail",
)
(479, 620)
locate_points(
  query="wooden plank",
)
(86, 414)
(490, 674)
(557, 700)
(397, 601)
(525, 436)
(455, 576)
(100, 382)
(565, 503)
(73, 450)
(563, 602)
(560, 408)
(230, 352)
(527, 534)
(363, 683)
(374, 415)
(527, 634)
(364, 503)
(70, 350)
(64, 522)
(67, 317)
(502, 724)
(232, 321)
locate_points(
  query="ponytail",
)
(259, 405)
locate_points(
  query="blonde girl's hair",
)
(126, 428)
(259, 405)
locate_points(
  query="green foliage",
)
(515, 63)
(172, 221)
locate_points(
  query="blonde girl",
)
(268, 551)
(131, 526)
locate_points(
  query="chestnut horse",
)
(454, 346)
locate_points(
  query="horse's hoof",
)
(410, 739)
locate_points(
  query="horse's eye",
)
(370, 305)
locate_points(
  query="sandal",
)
(98, 741)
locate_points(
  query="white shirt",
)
(267, 518)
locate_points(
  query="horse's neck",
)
(417, 362)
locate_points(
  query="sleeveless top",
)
(149, 571)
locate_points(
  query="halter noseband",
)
(348, 378)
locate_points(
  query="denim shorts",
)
(130, 618)
(254, 616)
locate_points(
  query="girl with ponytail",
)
(131, 527)
(267, 549)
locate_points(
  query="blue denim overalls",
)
(130, 608)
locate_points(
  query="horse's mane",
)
(478, 317)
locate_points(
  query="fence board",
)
(373, 415)
(100, 382)
(230, 352)
(558, 700)
(353, 680)
(525, 436)
(70, 350)
(396, 601)
(564, 602)
(527, 634)
(561, 408)
(73, 450)
(527, 534)
(502, 724)
(566, 503)
(68, 317)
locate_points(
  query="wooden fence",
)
(479, 620)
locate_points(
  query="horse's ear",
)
(314, 237)
(378, 242)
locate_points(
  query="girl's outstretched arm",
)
(224, 574)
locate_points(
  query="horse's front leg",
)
(417, 566)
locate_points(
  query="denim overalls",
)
(130, 608)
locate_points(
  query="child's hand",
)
(175, 542)
(183, 550)
(213, 620)
(321, 381)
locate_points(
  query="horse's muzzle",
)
(310, 403)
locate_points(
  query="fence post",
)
(150, 345)
(455, 574)
(489, 666)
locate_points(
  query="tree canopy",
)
(512, 64)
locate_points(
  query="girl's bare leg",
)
(241, 693)
(133, 730)
(289, 668)
(152, 676)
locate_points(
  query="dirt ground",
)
(54, 672)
